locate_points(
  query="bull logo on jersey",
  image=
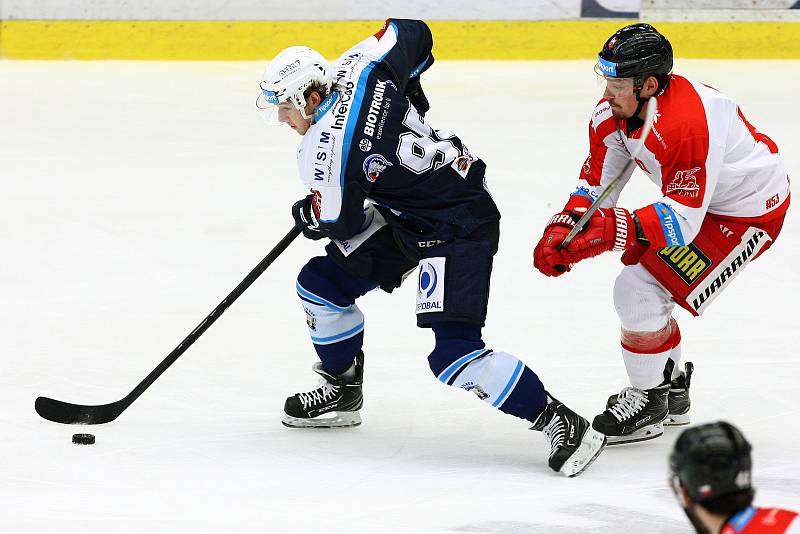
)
(685, 183)
(374, 165)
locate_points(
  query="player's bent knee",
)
(491, 375)
(654, 341)
(331, 316)
(461, 360)
(323, 277)
(453, 341)
(639, 305)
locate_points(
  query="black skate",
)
(339, 395)
(679, 402)
(634, 415)
(574, 445)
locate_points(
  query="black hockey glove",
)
(417, 96)
(304, 217)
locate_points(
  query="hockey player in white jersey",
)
(394, 195)
(724, 194)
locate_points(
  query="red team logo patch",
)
(685, 183)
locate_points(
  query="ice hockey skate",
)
(333, 404)
(678, 402)
(574, 445)
(636, 415)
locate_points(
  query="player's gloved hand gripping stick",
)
(68, 413)
(612, 185)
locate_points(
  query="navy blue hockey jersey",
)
(368, 143)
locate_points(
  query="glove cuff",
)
(577, 204)
(625, 235)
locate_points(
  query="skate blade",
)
(592, 444)
(339, 420)
(677, 419)
(643, 434)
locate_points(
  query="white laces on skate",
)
(629, 402)
(555, 431)
(325, 391)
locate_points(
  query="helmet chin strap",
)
(642, 102)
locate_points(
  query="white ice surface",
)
(134, 196)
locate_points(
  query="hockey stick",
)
(68, 413)
(648, 125)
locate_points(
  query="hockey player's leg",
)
(574, 444)
(461, 360)
(336, 326)
(679, 402)
(649, 335)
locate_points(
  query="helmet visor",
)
(267, 106)
(614, 87)
(273, 110)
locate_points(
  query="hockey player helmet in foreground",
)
(711, 474)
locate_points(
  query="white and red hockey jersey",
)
(763, 521)
(703, 155)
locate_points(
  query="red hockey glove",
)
(547, 257)
(607, 229)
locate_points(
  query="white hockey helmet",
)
(293, 70)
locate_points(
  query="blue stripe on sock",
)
(510, 386)
(455, 375)
(455, 366)
(317, 299)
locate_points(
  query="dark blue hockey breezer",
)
(393, 195)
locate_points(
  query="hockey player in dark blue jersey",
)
(393, 195)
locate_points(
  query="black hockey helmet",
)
(710, 461)
(636, 51)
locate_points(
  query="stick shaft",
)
(215, 314)
(612, 185)
(68, 413)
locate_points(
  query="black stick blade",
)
(78, 414)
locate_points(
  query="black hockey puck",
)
(83, 439)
